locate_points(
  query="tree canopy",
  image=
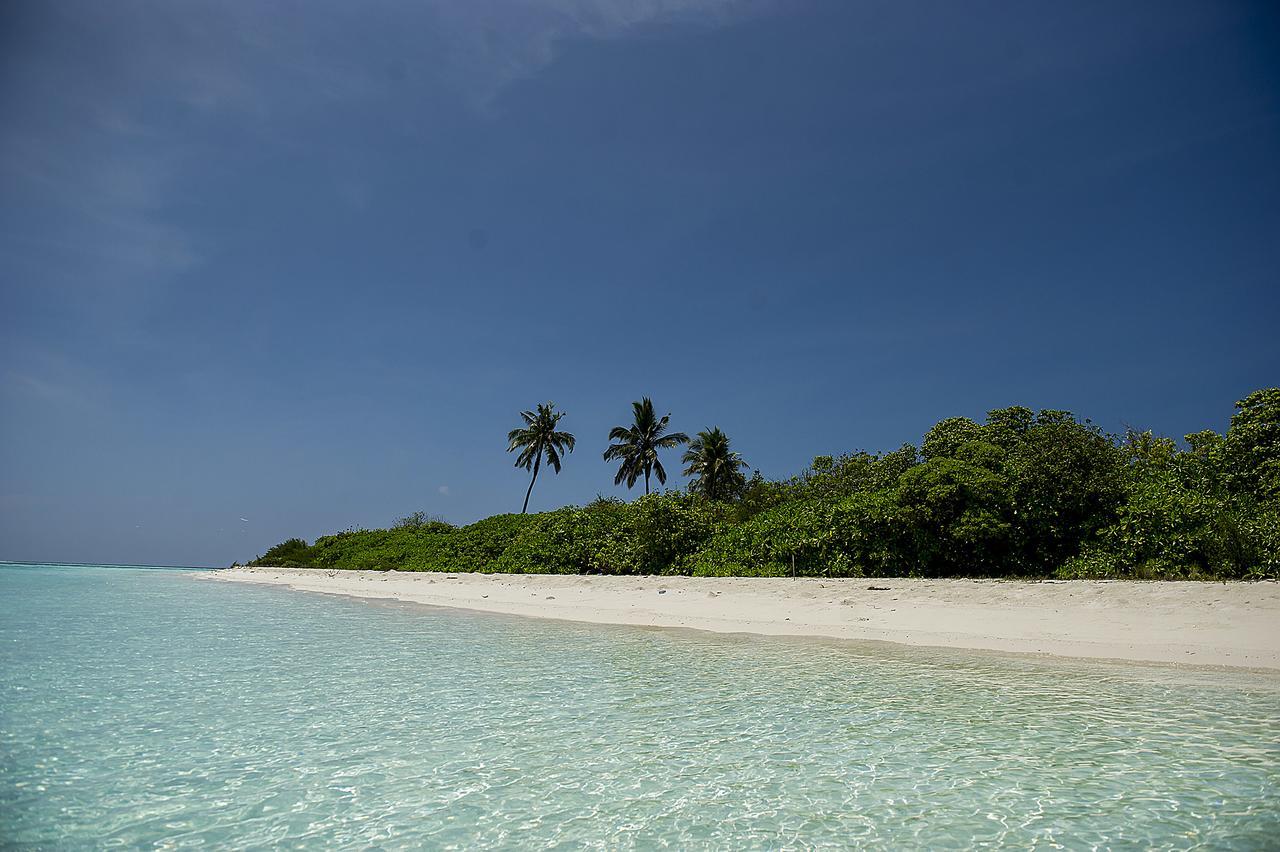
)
(715, 468)
(636, 446)
(1020, 494)
(539, 437)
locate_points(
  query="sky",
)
(274, 269)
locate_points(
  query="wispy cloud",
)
(94, 184)
(105, 129)
(492, 43)
(110, 207)
(54, 393)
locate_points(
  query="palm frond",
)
(564, 439)
(539, 436)
(675, 439)
(715, 468)
(637, 445)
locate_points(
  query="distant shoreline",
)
(1235, 624)
(57, 564)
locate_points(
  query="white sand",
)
(1214, 624)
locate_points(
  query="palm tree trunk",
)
(646, 480)
(536, 462)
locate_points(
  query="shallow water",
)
(147, 708)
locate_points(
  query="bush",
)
(1066, 480)
(1025, 493)
(958, 514)
(421, 520)
(1260, 531)
(796, 535)
(1252, 447)
(948, 436)
(291, 553)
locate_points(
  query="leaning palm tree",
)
(638, 444)
(717, 470)
(536, 437)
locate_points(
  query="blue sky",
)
(275, 269)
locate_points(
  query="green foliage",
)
(982, 454)
(537, 438)
(377, 550)
(1066, 479)
(1148, 448)
(1023, 494)
(1252, 447)
(291, 553)
(758, 495)
(856, 473)
(551, 543)
(636, 446)
(1006, 427)
(794, 534)
(947, 436)
(715, 468)
(958, 514)
(658, 534)
(477, 547)
(421, 520)
(1165, 530)
(1259, 528)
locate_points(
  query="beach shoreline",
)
(1234, 624)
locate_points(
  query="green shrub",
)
(794, 535)
(1066, 480)
(1260, 531)
(421, 520)
(1091, 564)
(958, 516)
(1022, 494)
(1252, 447)
(556, 542)
(948, 436)
(291, 553)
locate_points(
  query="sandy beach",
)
(1203, 624)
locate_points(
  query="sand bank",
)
(1215, 624)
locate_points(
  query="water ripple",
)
(148, 709)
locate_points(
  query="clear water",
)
(148, 708)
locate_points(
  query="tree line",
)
(715, 468)
(1020, 494)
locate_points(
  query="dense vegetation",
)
(1022, 494)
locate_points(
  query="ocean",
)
(149, 708)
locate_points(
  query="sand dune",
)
(1214, 624)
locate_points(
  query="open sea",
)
(144, 708)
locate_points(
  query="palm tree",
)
(716, 468)
(638, 445)
(536, 437)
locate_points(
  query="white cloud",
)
(492, 43)
(444, 489)
(48, 391)
(264, 59)
(110, 205)
(110, 154)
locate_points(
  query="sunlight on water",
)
(142, 708)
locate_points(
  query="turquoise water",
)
(149, 708)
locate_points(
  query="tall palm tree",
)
(536, 437)
(638, 444)
(716, 468)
